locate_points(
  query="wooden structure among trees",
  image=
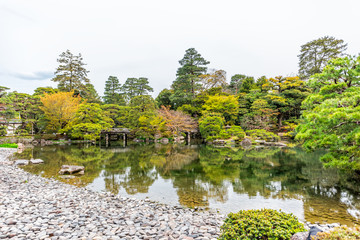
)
(114, 134)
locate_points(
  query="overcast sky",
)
(147, 38)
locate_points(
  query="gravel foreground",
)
(33, 207)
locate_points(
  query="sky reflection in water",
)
(228, 179)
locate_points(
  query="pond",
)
(227, 179)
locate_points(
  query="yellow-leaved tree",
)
(59, 109)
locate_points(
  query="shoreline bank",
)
(33, 207)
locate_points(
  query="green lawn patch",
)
(8, 145)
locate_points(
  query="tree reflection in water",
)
(204, 174)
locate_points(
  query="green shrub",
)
(236, 131)
(261, 134)
(260, 224)
(8, 145)
(224, 134)
(49, 136)
(21, 132)
(210, 125)
(3, 131)
(339, 233)
(86, 131)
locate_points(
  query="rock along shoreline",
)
(33, 207)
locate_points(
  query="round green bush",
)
(261, 134)
(260, 224)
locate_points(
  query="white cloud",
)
(33, 75)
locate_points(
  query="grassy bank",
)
(8, 145)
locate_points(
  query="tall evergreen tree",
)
(90, 94)
(136, 87)
(143, 87)
(112, 93)
(314, 55)
(187, 81)
(3, 91)
(331, 114)
(241, 83)
(163, 99)
(71, 74)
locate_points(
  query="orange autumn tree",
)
(59, 109)
(177, 121)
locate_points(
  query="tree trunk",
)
(280, 120)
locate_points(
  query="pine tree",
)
(187, 81)
(314, 55)
(241, 83)
(90, 94)
(136, 87)
(112, 93)
(71, 74)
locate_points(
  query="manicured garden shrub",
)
(210, 126)
(261, 134)
(223, 134)
(260, 224)
(339, 233)
(236, 131)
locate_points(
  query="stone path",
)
(32, 207)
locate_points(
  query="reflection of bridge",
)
(119, 150)
(115, 134)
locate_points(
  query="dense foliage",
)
(3, 130)
(211, 125)
(260, 224)
(88, 122)
(315, 54)
(332, 113)
(59, 109)
(338, 233)
(201, 101)
(261, 134)
(113, 92)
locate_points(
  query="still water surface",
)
(228, 179)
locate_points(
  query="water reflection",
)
(203, 176)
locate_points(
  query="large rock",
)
(179, 139)
(219, 142)
(246, 142)
(276, 144)
(71, 169)
(164, 140)
(21, 146)
(36, 161)
(300, 236)
(67, 177)
(22, 162)
(280, 144)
